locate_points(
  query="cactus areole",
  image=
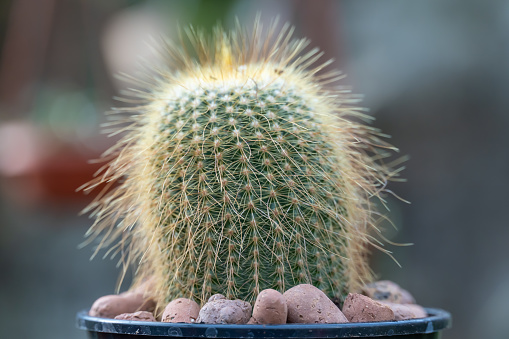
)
(241, 169)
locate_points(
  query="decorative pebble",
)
(137, 316)
(219, 310)
(109, 306)
(358, 309)
(386, 290)
(270, 308)
(308, 305)
(181, 310)
(406, 311)
(217, 297)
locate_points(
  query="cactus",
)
(240, 170)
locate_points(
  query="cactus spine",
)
(240, 171)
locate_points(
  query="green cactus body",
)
(241, 173)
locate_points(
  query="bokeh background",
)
(434, 74)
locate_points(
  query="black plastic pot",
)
(424, 328)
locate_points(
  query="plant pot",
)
(424, 328)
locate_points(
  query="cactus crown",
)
(240, 171)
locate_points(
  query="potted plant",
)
(241, 172)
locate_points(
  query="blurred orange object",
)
(36, 168)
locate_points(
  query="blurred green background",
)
(434, 74)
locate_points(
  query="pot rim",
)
(437, 320)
